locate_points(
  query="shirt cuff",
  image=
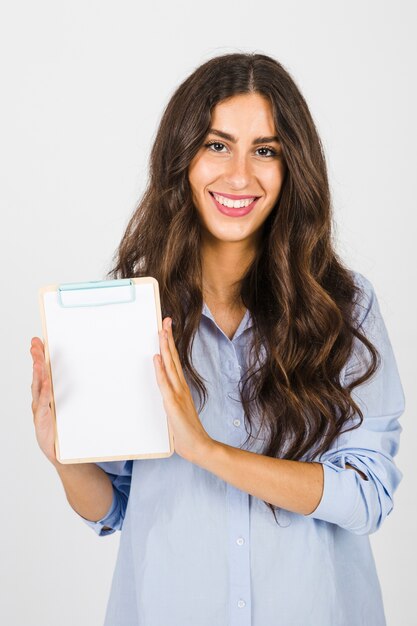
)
(339, 500)
(109, 519)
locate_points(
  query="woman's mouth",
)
(232, 211)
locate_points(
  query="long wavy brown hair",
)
(300, 295)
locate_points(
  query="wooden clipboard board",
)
(100, 338)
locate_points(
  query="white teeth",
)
(236, 204)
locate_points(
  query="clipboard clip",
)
(96, 292)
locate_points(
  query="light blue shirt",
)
(196, 551)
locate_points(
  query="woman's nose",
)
(238, 172)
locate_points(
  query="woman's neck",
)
(223, 266)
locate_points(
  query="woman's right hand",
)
(41, 399)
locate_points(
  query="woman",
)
(272, 337)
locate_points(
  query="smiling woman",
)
(270, 332)
(241, 178)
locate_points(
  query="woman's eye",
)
(215, 144)
(273, 153)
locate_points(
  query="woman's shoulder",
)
(366, 311)
(365, 299)
(360, 280)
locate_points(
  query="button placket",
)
(240, 584)
(232, 406)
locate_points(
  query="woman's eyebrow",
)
(233, 139)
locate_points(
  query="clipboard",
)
(100, 338)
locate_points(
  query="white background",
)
(83, 87)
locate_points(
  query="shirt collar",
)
(247, 320)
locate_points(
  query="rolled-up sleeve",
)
(120, 474)
(357, 504)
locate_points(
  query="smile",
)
(233, 208)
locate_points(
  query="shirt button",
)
(241, 604)
(240, 541)
(236, 422)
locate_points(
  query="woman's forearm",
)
(293, 485)
(88, 489)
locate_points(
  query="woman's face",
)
(242, 160)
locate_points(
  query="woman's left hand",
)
(190, 438)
